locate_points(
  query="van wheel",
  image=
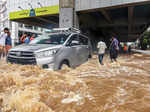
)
(64, 64)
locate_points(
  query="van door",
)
(85, 48)
(75, 50)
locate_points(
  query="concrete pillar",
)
(67, 16)
(66, 3)
(14, 33)
(76, 21)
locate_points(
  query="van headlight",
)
(46, 53)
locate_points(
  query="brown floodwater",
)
(123, 86)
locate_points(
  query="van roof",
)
(66, 30)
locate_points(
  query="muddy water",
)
(123, 86)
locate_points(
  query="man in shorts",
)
(101, 50)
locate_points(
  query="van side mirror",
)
(74, 43)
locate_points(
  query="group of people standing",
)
(113, 50)
(5, 42)
(26, 38)
(126, 49)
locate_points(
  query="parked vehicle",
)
(65, 46)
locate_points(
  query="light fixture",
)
(20, 7)
(39, 4)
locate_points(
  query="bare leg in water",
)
(2, 52)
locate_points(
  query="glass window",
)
(20, 25)
(55, 39)
(35, 28)
(41, 29)
(73, 38)
(83, 40)
(28, 27)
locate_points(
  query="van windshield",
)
(55, 39)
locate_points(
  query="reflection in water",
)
(123, 86)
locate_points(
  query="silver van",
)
(60, 47)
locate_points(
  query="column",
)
(67, 16)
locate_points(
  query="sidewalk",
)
(141, 51)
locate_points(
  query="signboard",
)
(34, 12)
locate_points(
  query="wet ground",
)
(123, 86)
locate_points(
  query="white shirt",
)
(3, 39)
(101, 47)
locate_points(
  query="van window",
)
(83, 40)
(74, 37)
(50, 39)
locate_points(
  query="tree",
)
(145, 40)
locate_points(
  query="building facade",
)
(125, 19)
(19, 9)
(4, 16)
(19, 5)
(16, 29)
(22, 9)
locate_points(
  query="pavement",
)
(141, 51)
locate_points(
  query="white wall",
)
(14, 4)
(92, 4)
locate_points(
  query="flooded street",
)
(123, 86)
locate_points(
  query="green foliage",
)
(146, 38)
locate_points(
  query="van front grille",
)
(21, 57)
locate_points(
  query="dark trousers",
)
(113, 55)
(101, 56)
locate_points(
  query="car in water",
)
(63, 46)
